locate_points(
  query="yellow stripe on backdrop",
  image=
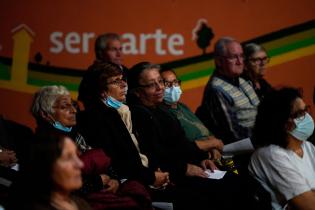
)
(26, 88)
(194, 67)
(54, 77)
(289, 39)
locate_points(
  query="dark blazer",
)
(16, 137)
(102, 127)
(164, 140)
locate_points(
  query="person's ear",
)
(290, 125)
(103, 94)
(218, 61)
(47, 117)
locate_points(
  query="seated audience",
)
(54, 110)
(256, 59)
(106, 123)
(14, 146)
(285, 162)
(194, 129)
(48, 180)
(164, 141)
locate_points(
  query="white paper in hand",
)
(216, 174)
(238, 147)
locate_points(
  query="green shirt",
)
(193, 127)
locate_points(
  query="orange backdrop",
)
(242, 19)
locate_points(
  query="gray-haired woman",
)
(256, 60)
(54, 110)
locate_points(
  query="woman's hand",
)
(105, 179)
(215, 155)
(217, 143)
(161, 178)
(110, 185)
(113, 186)
(193, 170)
(8, 158)
(210, 143)
(208, 164)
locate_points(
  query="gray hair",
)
(45, 98)
(220, 45)
(101, 43)
(135, 72)
(251, 48)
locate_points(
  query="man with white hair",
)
(229, 104)
(108, 48)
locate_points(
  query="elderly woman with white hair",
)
(54, 109)
(256, 60)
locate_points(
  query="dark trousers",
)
(201, 193)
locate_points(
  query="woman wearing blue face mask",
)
(284, 164)
(54, 111)
(106, 123)
(194, 129)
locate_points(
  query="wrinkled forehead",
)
(113, 43)
(150, 74)
(259, 54)
(233, 48)
(168, 75)
(62, 99)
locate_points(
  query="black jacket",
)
(161, 135)
(102, 127)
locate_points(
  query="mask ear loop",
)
(290, 125)
(47, 117)
(104, 95)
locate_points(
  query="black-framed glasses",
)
(118, 82)
(300, 114)
(259, 60)
(174, 83)
(156, 84)
(234, 58)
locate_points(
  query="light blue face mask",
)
(112, 102)
(172, 94)
(304, 128)
(61, 127)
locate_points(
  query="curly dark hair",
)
(95, 81)
(273, 114)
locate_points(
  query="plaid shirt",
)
(219, 113)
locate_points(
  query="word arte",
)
(75, 43)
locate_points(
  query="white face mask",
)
(304, 127)
(172, 94)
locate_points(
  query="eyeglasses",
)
(118, 82)
(234, 58)
(258, 60)
(156, 84)
(67, 106)
(175, 83)
(300, 114)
